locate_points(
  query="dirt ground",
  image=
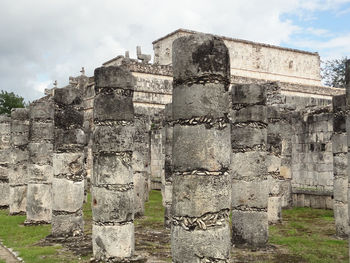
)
(154, 245)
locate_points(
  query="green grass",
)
(23, 239)
(310, 234)
(306, 234)
(154, 212)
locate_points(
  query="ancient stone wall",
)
(312, 159)
(5, 134)
(255, 60)
(18, 178)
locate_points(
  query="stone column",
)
(112, 182)
(201, 156)
(347, 87)
(5, 134)
(167, 185)
(340, 182)
(248, 164)
(19, 173)
(40, 147)
(140, 163)
(68, 164)
(274, 147)
(279, 147)
(157, 153)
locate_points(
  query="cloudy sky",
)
(46, 40)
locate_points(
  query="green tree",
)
(333, 72)
(8, 101)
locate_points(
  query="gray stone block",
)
(138, 161)
(4, 193)
(42, 110)
(113, 77)
(68, 117)
(20, 126)
(248, 94)
(248, 164)
(67, 96)
(5, 128)
(340, 189)
(249, 227)
(40, 153)
(113, 241)
(20, 139)
(18, 156)
(69, 224)
(198, 195)
(113, 138)
(200, 55)
(39, 203)
(18, 199)
(67, 195)
(252, 113)
(273, 163)
(339, 143)
(67, 163)
(113, 106)
(196, 147)
(247, 137)
(340, 164)
(250, 194)
(40, 173)
(341, 219)
(5, 157)
(41, 131)
(112, 205)
(20, 114)
(111, 169)
(209, 99)
(140, 186)
(274, 210)
(66, 139)
(198, 245)
(18, 174)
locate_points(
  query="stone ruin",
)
(216, 124)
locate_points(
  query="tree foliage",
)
(8, 101)
(333, 72)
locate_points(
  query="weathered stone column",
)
(112, 183)
(279, 147)
(201, 156)
(157, 153)
(248, 164)
(340, 182)
(167, 185)
(68, 163)
(19, 173)
(347, 87)
(40, 147)
(5, 134)
(139, 164)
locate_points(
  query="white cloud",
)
(332, 48)
(56, 38)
